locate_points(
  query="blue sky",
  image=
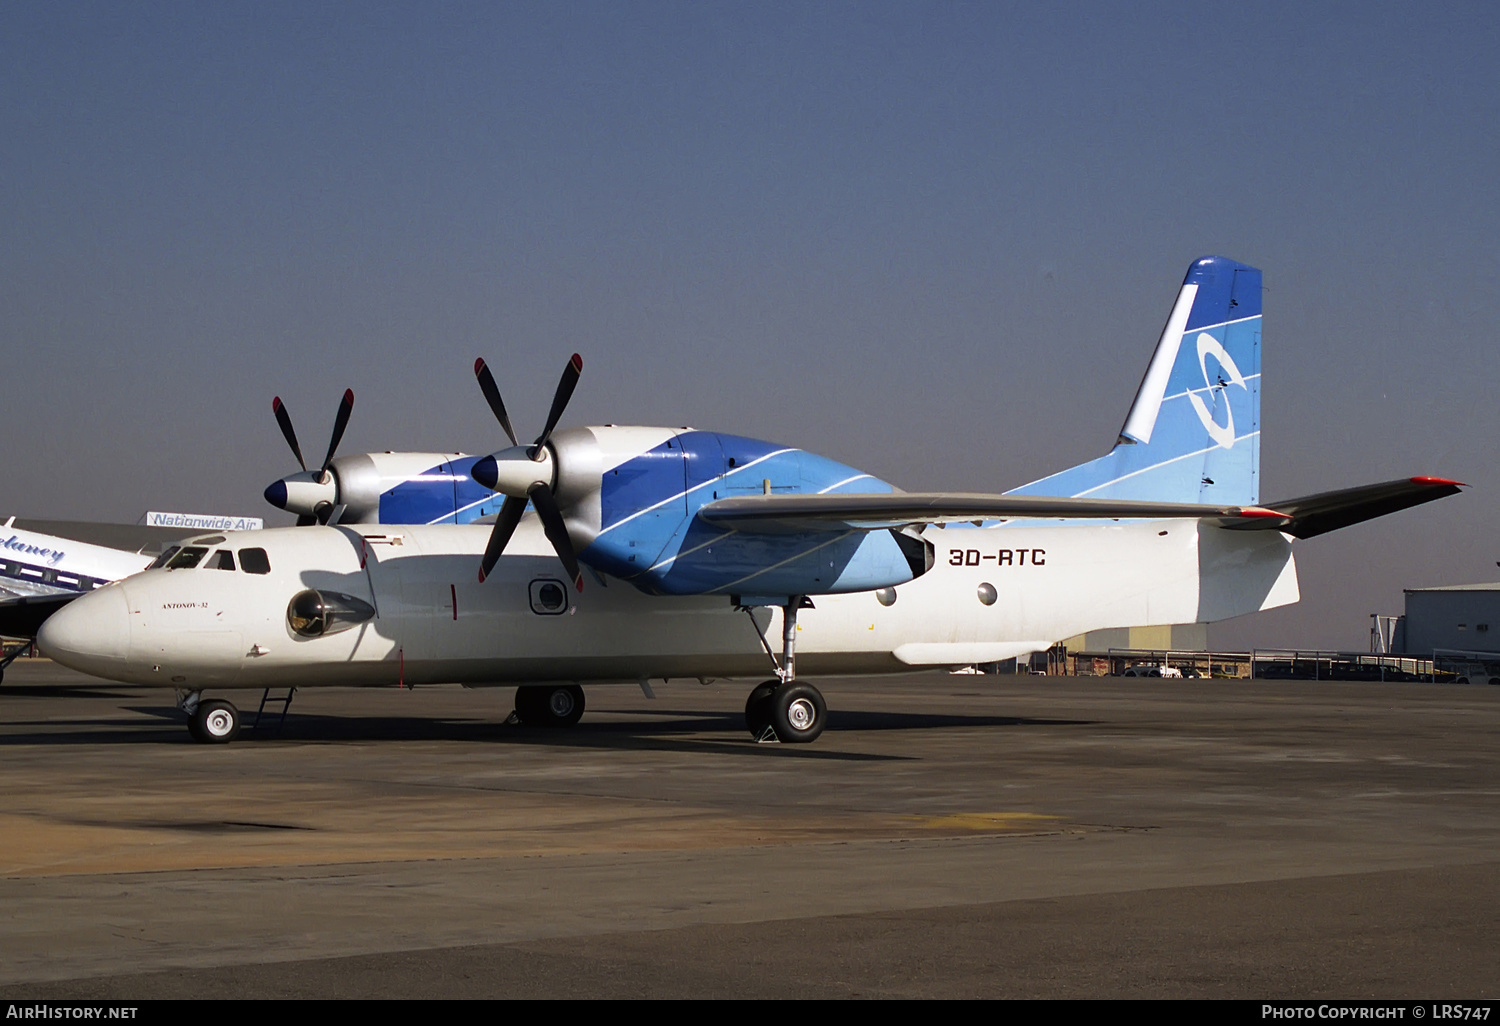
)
(933, 241)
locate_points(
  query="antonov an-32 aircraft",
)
(707, 549)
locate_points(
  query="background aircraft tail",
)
(1193, 432)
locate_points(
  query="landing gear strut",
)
(785, 709)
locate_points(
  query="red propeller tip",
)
(578, 583)
(577, 362)
(276, 404)
(349, 396)
(481, 575)
(479, 366)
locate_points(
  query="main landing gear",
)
(786, 709)
(549, 705)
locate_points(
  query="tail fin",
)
(1193, 432)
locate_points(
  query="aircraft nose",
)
(91, 633)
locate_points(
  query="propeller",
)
(526, 474)
(277, 493)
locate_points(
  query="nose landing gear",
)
(214, 722)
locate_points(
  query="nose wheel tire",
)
(214, 723)
(549, 705)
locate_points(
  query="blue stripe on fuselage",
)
(652, 537)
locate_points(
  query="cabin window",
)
(186, 558)
(254, 561)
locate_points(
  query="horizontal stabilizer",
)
(1313, 515)
(791, 513)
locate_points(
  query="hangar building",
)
(1457, 617)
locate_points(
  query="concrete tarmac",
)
(948, 836)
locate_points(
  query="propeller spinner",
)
(310, 494)
(526, 474)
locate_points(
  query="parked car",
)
(1152, 670)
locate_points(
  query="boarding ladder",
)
(267, 699)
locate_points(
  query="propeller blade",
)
(560, 402)
(505, 526)
(557, 531)
(340, 421)
(284, 421)
(492, 396)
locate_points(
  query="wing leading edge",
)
(1304, 517)
(785, 514)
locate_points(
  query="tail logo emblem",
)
(1208, 345)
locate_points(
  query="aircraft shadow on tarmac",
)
(56, 691)
(660, 729)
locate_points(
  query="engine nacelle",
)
(359, 483)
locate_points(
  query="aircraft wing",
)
(1313, 515)
(784, 514)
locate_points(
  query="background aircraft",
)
(719, 535)
(40, 572)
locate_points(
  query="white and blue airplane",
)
(711, 545)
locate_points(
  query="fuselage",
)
(419, 614)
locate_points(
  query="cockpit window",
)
(221, 560)
(187, 558)
(161, 560)
(254, 561)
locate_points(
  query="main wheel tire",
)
(549, 705)
(798, 713)
(758, 707)
(216, 722)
